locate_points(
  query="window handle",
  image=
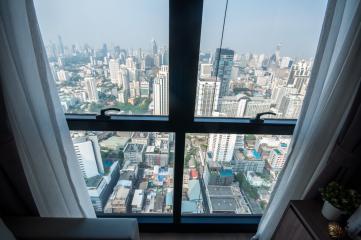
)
(103, 112)
(258, 117)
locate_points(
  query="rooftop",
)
(140, 135)
(134, 147)
(189, 207)
(194, 190)
(121, 193)
(194, 173)
(93, 182)
(226, 172)
(159, 200)
(256, 154)
(138, 198)
(114, 142)
(215, 190)
(277, 151)
(169, 197)
(227, 204)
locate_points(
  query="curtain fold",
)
(36, 117)
(333, 85)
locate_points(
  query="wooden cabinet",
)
(303, 220)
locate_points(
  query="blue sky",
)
(255, 26)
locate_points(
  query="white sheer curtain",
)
(333, 84)
(35, 114)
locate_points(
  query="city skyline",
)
(133, 172)
(129, 24)
(287, 24)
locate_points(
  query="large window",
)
(127, 172)
(108, 54)
(188, 78)
(256, 56)
(231, 173)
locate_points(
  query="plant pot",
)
(330, 212)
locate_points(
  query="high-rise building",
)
(222, 68)
(88, 154)
(285, 62)
(277, 159)
(62, 75)
(144, 89)
(114, 71)
(164, 57)
(221, 146)
(122, 96)
(130, 62)
(235, 72)
(161, 92)
(134, 152)
(216, 174)
(299, 76)
(281, 91)
(154, 47)
(206, 70)
(290, 106)
(207, 96)
(255, 106)
(91, 89)
(147, 63)
(60, 46)
(276, 57)
(233, 106)
(124, 78)
(97, 190)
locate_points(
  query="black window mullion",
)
(185, 20)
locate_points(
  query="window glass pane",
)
(231, 173)
(108, 54)
(264, 61)
(127, 172)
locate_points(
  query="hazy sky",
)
(252, 25)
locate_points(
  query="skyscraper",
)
(124, 78)
(281, 91)
(290, 106)
(154, 47)
(207, 96)
(277, 158)
(206, 70)
(222, 68)
(221, 146)
(299, 76)
(233, 106)
(276, 57)
(60, 46)
(164, 56)
(91, 89)
(255, 106)
(134, 82)
(114, 71)
(88, 154)
(160, 91)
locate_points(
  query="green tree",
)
(247, 187)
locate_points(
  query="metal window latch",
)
(103, 115)
(258, 119)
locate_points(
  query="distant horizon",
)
(255, 26)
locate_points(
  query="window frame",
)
(185, 23)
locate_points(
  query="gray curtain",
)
(333, 86)
(344, 164)
(16, 198)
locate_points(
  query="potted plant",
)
(338, 201)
